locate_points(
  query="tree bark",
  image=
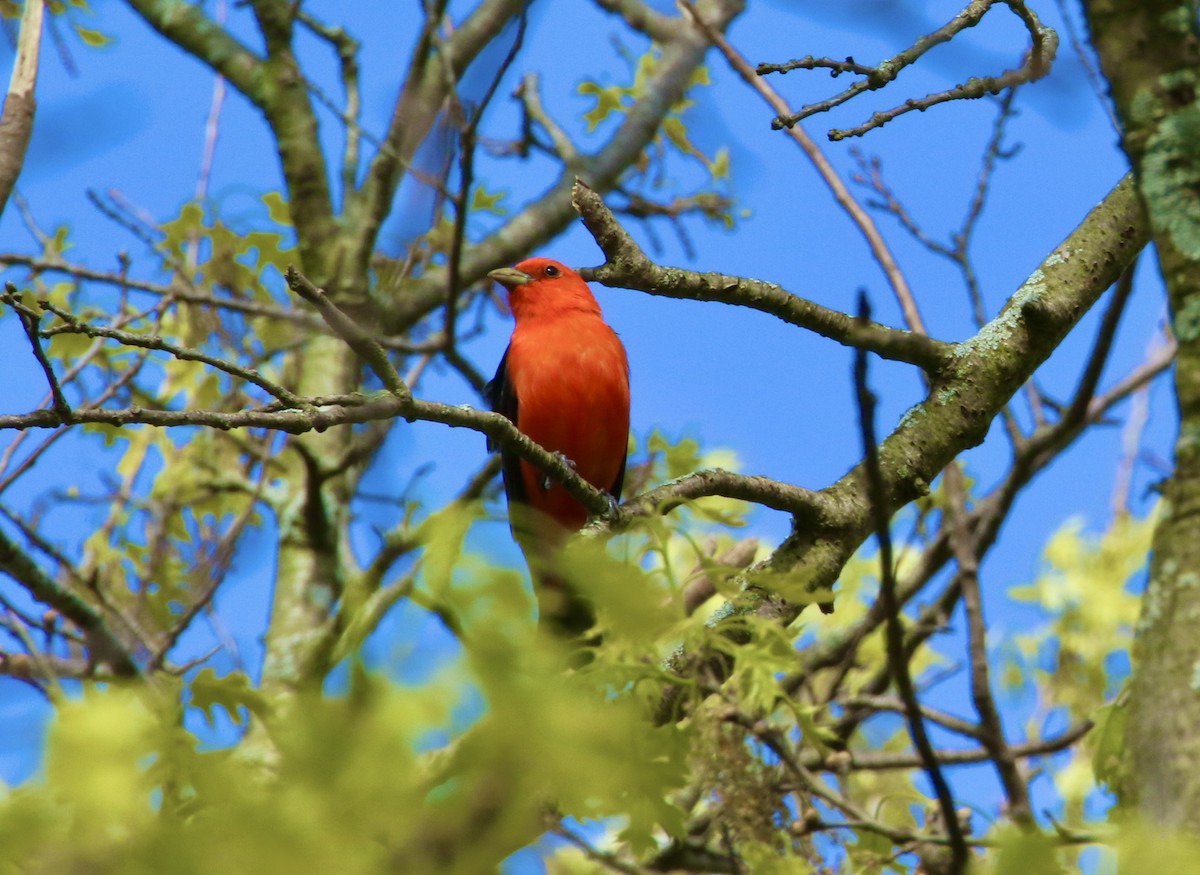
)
(1150, 53)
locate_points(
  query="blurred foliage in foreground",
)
(502, 744)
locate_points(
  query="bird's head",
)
(540, 287)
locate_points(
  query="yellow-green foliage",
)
(502, 740)
(609, 101)
(1090, 618)
(355, 787)
(1090, 611)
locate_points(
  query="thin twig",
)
(991, 730)
(30, 320)
(897, 659)
(1035, 64)
(71, 325)
(1131, 436)
(352, 333)
(187, 293)
(466, 177)
(862, 221)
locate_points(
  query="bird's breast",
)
(571, 379)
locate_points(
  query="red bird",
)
(564, 382)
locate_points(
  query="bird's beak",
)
(509, 277)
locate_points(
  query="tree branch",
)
(547, 216)
(352, 333)
(1037, 61)
(880, 514)
(16, 564)
(983, 373)
(16, 123)
(189, 28)
(431, 75)
(880, 251)
(626, 266)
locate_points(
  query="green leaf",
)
(719, 167)
(1108, 738)
(230, 693)
(180, 230)
(675, 131)
(445, 531)
(271, 251)
(93, 38)
(56, 244)
(481, 200)
(277, 209)
(608, 101)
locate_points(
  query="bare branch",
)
(897, 658)
(467, 139)
(184, 292)
(991, 732)
(545, 217)
(1037, 61)
(884, 761)
(795, 500)
(29, 322)
(352, 333)
(422, 96)
(879, 248)
(627, 266)
(346, 48)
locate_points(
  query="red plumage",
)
(564, 382)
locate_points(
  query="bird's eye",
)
(551, 270)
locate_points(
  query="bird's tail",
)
(563, 610)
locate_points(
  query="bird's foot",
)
(546, 481)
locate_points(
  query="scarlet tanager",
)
(564, 382)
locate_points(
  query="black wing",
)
(619, 483)
(502, 397)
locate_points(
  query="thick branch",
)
(1150, 54)
(547, 216)
(16, 564)
(628, 267)
(983, 373)
(16, 123)
(431, 75)
(189, 28)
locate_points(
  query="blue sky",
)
(130, 118)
